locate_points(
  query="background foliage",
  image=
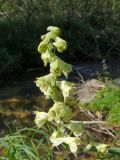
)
(107, 101)
(92, 29)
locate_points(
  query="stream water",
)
(19, 97)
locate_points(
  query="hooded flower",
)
(66, 88)
(46, 85)
(47, 57)
(41, 118)
(60, 44)
(60, 111)
(43, 36)
(73, 142)
(55, 30)
(58, 66)
(43, 46)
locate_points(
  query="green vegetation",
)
(91, 28)
(34, 144)
(63, 134)
(108, 102)
(64, 129)
(26, 144)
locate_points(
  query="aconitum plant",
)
(65, 130)
(61, 92)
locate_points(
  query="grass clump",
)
(25, 144)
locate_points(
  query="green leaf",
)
(76, 128)
(114, 150)
(71, 100)
(114, 114)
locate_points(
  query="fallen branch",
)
(90, 122)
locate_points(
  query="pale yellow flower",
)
(43, 46)
(66, 88)
(40, 118)
(46, 84)
(47, 57)
(55, 30)
(60, 111)
(60, 44)
(73, 142)
(58, 67)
